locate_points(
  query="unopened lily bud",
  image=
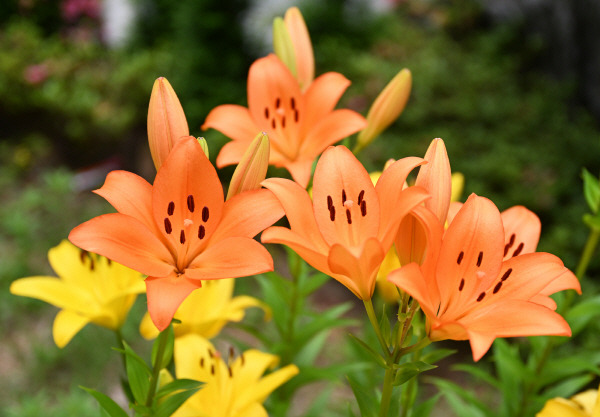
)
(283, 46)
(304, 56)
(204, 145)
(166, 121)
(436, 179)
(386, 108)
(252, 169)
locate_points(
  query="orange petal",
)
(330, 129)
(410, 279)
(345, 203)
(248, 214)
(276, 103)
(165, 295)
(480, 344)
(435, 177)
(125, 240)
(471, 255)
(231, 258)
(187, 200)
(361, 270)
(566, 281)
(305, 60)
(522, 230)
(298, 209)
(166, 121)
(454, 208)
(392, 197)
(233, 121)
(130, 194)
(322, 96)
(300, 170)
(299, 244)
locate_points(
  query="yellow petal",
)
(55, 292)
(66, 325)
(559, 407)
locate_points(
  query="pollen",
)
(188, 222)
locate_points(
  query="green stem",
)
(373, 319)
(121, 344)
(386, 394)
(588, 252)
(158, 365)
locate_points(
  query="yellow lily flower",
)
(90, 289)
(585, 404)
(232, 387)
(207, 310)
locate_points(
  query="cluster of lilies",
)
(472, 270)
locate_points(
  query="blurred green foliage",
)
(516, 134)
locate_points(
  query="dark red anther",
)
(518, 250)
(277, 103)
(332, 213)
(506, 274)
(267, 113)
(205, 214)
(329, 202)
(481, 296)
(361, 195)
(190, 203)
(497, 287)
(348, 216)
(462, 285)
(182, 237)
(283, 122)
(293, 102)
(460, 257)
(296, 116)
(479, 258)
(168, 227)
(201, 232)
(273, 123)
(171, 208)
(363, 208)
(343, 196)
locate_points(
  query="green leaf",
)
(584, 312)
(172, 403)
(366, 400)
(178, 385)
(313, 283)
(168, 352)
(478, 373)
(569, 387)
(409, 370)
(591, 190)
(378, 358)
(470, 403)
(138, 374)
(106, 403)
(426, 407)
(437, 355)
(592, 221)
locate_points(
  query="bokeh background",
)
(512, 86)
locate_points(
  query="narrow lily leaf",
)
(168, 353)
(584, 312)
(178, 385)
(138, 374)
(173, 402)
(407, 371)
(107, 403)
(378, 358)
(478, 373)
(315, 282)
(569, 387)
(462, 401)
(366, 401)
(426, 407)
(437, 355)
(591, 190)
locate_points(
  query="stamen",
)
(512, 240)
(329, 202)
(109, 262)
(506, 248)
(91, 263)
(273, 123)
(242, 358)
(283, 121)
(343, 196)
(332, 213)
(296, 116)
(182, 237)
(293, 103)
(205, 214)
(190, 203)
(460, 257)
(506, 274)
(363, 208)
(231, 352)
(348, 217)
(479, 258)
(518, 250)
(230, 372)
(361, 195)
(212, 369)
(210, 353)
(497, 287)
(201, 232)
(82, 255)
(168, 227)
(462, 285)
(202, 362)
(267, 113)
(481, 296)
(277, 103)
(171, 208)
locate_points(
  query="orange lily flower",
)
(300, 125)
(467, 290)
(349, 226)
(180, 231)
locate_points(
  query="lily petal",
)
(233, 121)
(53, 291)
(66, 325)
(323, 94)
(410, 279)
(125, 240)
(230, 258)
(522, 230)
(435, 177)
(165, 295)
